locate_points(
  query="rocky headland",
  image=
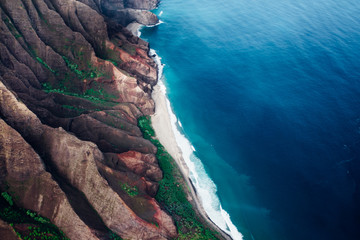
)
(74, 162)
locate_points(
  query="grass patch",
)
(92, 72)
(39, 227)
(132, 191)
(171, 194)
(71, 81)
(78, 110)
(12, 28)
(44, 64)
(29, 225)
(95, 96)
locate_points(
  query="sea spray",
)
(203, 184)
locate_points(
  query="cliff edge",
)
(73, 84)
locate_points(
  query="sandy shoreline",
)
(161, 123)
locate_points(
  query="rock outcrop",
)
(128, 11)
(7, 232)
(73, 82)
(24, 172)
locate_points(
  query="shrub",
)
(41, 228)
(171, 193)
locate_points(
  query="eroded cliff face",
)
(73, 82)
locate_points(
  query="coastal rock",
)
(127, 16)
(140, 4)
(135, 4)
(73, 83)
(125, 12)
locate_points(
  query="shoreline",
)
(134, 28)
(161, 123)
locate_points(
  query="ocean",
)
(266, 96)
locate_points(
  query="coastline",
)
(161, 122)
(134, 28)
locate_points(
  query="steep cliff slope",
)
(70, 73)
(75, 86)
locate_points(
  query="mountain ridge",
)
(73, 84)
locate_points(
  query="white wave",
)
(138, 30)
(154, 25)
(160, 66)
(161, 12)
(180, 125)
(204, 186)
(235, 234)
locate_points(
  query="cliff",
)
(73, 83)
(71, 73)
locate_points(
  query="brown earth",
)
(73, 82)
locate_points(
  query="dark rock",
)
(73, 82)
(24, 173)
(69, 160)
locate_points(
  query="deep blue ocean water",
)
(268, 93)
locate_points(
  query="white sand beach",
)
(161, 122)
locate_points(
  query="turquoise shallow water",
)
(268, 93)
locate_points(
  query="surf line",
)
(205, 188)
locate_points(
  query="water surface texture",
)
(268, 93)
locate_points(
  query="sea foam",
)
(138, 31)
(205, 187)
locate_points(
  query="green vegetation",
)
(144, 123)
(78, 110)
(113, 62)
(171, 193)
(17, 35)
(91, 94)
(41, 16)
(12, 28)
(113, 236)
(44, 63)
(69, 85)
(38, 227)
(132, 191)
(82, 74)
(8, 198)
(112, 55)
(37, 217)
